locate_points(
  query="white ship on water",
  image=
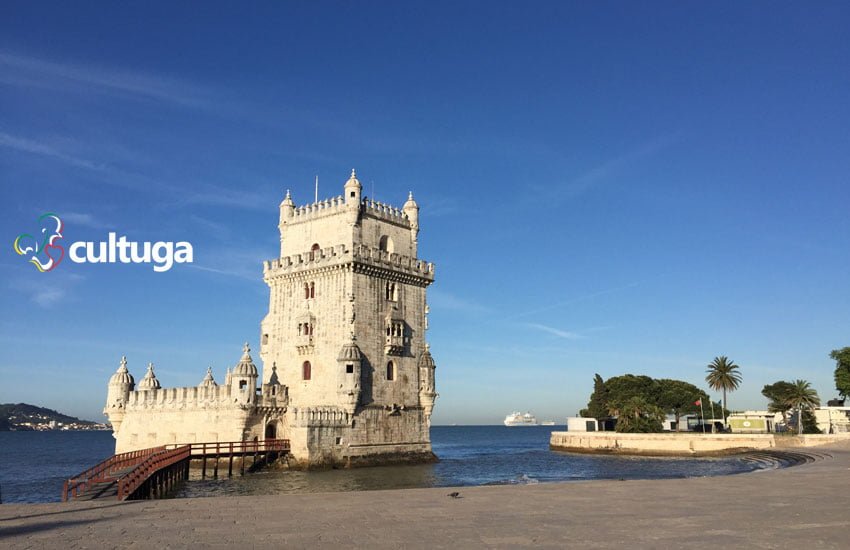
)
(519, 419)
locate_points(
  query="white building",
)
(832, 420)
(347, 374)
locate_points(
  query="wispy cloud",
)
(438, 299)
(24, 70)
(218, 230)
(45, 290)
(215, 195)
(574, 300)
(567, 335)
(25, 145)
(436, 207)
(240, 273)
(84, 220)
(234, 261)
(602, 173)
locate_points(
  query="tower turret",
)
(353, 190)
(427, 392)
(287, 211)
(348, 375)
(411, 210)
(208, 381)
(243, 379)
(149, 382)
(120, 385)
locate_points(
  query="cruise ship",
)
(519, 419)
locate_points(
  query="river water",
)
(33, 465)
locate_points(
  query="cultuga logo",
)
(45, 254)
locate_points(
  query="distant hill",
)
(23, 417)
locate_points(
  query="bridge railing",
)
(104, 471)
(130, 482)
(233, 447)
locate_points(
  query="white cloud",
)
(46, 290)
(34, 72)
(84, 220)
(25, 145)
(438, 299)
(567, 335)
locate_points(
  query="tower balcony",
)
(394, 345)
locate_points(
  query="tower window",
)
(243, 384)
(312, 290)
(265, 338)
(349, 369)
(390, 371)
(391, 293)
(306, 291)
(306, 371)
(386, 244)
(313, 250)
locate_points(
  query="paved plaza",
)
(800, 507)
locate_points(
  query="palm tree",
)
(723, 375)
(802, 395)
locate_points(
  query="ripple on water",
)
(33, 465)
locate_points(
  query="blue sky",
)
(605, 187)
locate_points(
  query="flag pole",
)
(702, 414)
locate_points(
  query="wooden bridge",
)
(152, 473)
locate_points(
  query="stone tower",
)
(345, 330)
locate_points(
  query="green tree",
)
(778, 395)
(597, 407)
(677, 397)
(637, 415)
(802, 396)
(842, 370)
(723, 375)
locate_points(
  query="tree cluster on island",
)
(640, 404)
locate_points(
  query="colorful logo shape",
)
(45, 255)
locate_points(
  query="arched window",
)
(391, 292)
(386, 244)
(306, 371)
(390, 371)
(313, 250)
(312, 290)
(306, 291)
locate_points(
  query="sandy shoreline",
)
(802, 506)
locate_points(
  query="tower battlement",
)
(339, 255)
(311, 211)
(385, 212)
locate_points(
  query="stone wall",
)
(681, 443)
(661, 444)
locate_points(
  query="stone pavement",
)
(801, 507)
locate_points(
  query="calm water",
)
(33, 465)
